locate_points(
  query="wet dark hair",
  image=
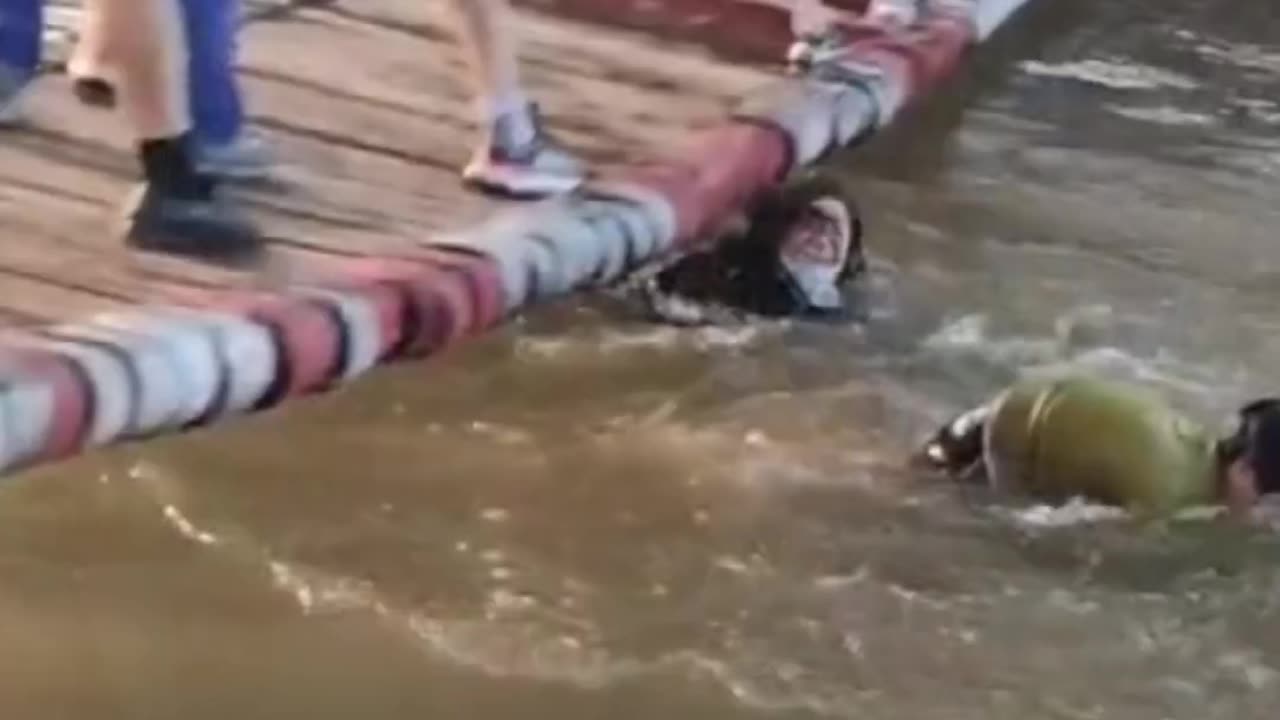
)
(1257, 441)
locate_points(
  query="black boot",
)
(178, 211)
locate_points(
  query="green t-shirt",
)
(1106, 441)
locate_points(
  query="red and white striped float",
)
(169, 367)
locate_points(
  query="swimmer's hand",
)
(956, 449)
(932, 456)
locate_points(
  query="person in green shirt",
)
(1110, 442)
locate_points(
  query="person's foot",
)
(13, 85)
(95, 92)
(506, 164)
(815, 253)
(245, 157)
(194, 221)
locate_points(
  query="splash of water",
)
(1112, 74)
(1076, 511)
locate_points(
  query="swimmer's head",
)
(1251, 455)
(818, 232)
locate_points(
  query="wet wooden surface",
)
(367, 109)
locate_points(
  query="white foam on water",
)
(843, 581)
(712, 337)
(1164, 115)
(512, 638)
(1164, 370)
(502, 434)
(965, 332)
(1080, 511)
(971, 334)
(751, 566)
(1113, 74)
(1262, 110)
(657, 337)
(1076, 511)
(681, 311)
(1071, 349)
(1244, 57)
(503, 646)
(542, 348)
(188, 529)
(167, 494)
(771, 690)
(1251, 668)
(716, 337)
(1070, 602)
(907, 596)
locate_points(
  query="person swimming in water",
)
(1053, 439)
(1110, 442)
(790, 256)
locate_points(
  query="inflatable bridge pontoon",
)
(161, 368)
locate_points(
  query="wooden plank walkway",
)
(366, 108)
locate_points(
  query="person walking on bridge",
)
(176, 208)
(224, 144)
(515, 156)
(21, 28)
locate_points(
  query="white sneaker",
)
(246, 157)
(816, 249)
(12, 89)
(537, 168)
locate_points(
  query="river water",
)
(587, 516)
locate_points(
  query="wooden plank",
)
(367, 110)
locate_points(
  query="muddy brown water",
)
(586, 516)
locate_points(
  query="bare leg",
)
(488, 35)
(90, 65)
(175, 210)
(514, 156)
(89, 59)
(145, 43)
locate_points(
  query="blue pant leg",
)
(21, 31)
(217, 110)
